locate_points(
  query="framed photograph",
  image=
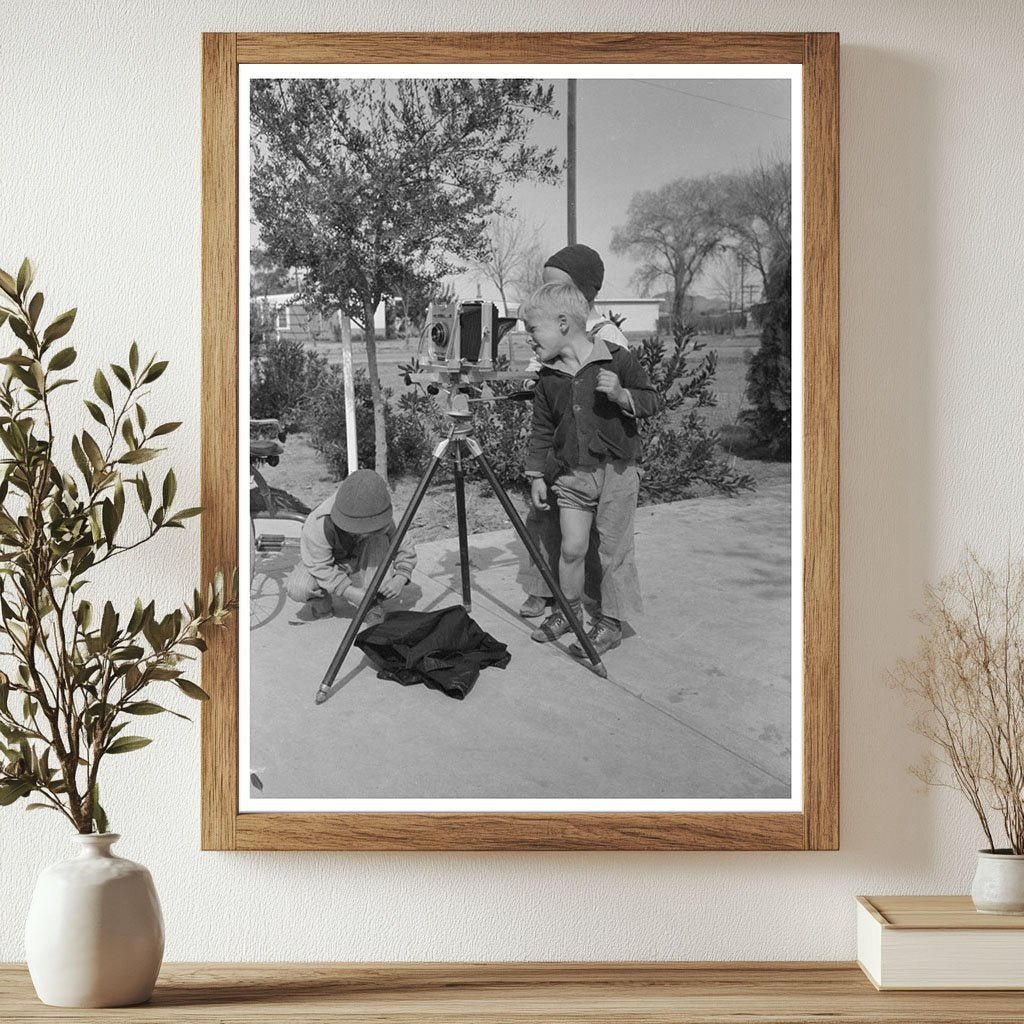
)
(520, 417)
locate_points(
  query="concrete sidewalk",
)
(696, 704)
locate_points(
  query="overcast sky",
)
(639, 134)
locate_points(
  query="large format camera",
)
(458, 353)
(461, 335)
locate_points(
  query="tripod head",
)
(456, 393)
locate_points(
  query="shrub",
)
(503, 428)
(326, 420)
(413, 432)
(676, 458)
(283, 374)
(768, 375)
(408, 428)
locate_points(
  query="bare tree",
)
(510, 243)
(531, 276)
(671, 232)
(758, 213)
(727, 278)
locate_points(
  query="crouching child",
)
(344, 540)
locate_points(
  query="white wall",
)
(100, 182)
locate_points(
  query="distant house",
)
(292, 320)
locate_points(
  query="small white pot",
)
(999, 882)
(95, 933)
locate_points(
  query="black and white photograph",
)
(523, 422)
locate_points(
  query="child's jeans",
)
(611, 580)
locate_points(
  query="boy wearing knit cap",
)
(584, 448)
(583, 267)
(343, 541)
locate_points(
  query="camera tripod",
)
(459, 445)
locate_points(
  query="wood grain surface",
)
(520, 831)
(660, 993)
(219, 430)
(821, 441)
(941, 913)
(521, 48)
(817, 826)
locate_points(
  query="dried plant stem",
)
(967, 682)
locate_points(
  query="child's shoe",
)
(554, 626)
(534, 607)
(604, 635)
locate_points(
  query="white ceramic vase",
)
(95, 933)
(999, 883)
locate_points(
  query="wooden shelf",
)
(660, 993)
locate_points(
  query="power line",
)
(709, 99)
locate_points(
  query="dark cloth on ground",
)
(444, 650)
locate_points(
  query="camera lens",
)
(439, 335)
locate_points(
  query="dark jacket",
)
(577, 427)
(445, 649)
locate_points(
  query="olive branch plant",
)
(966, 681)
(76, 675)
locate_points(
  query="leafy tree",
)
(266, 277)
(671, 232)
(414, 294)
(261, 325)
(364, 183)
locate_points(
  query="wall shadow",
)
(888, 295)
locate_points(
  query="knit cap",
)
(583, 265)
(362, 504)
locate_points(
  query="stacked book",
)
(907, 942)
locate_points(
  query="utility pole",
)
(570, 162)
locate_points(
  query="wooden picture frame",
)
(816, 826)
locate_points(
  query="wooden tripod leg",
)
(378, 577)
(460, 515)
